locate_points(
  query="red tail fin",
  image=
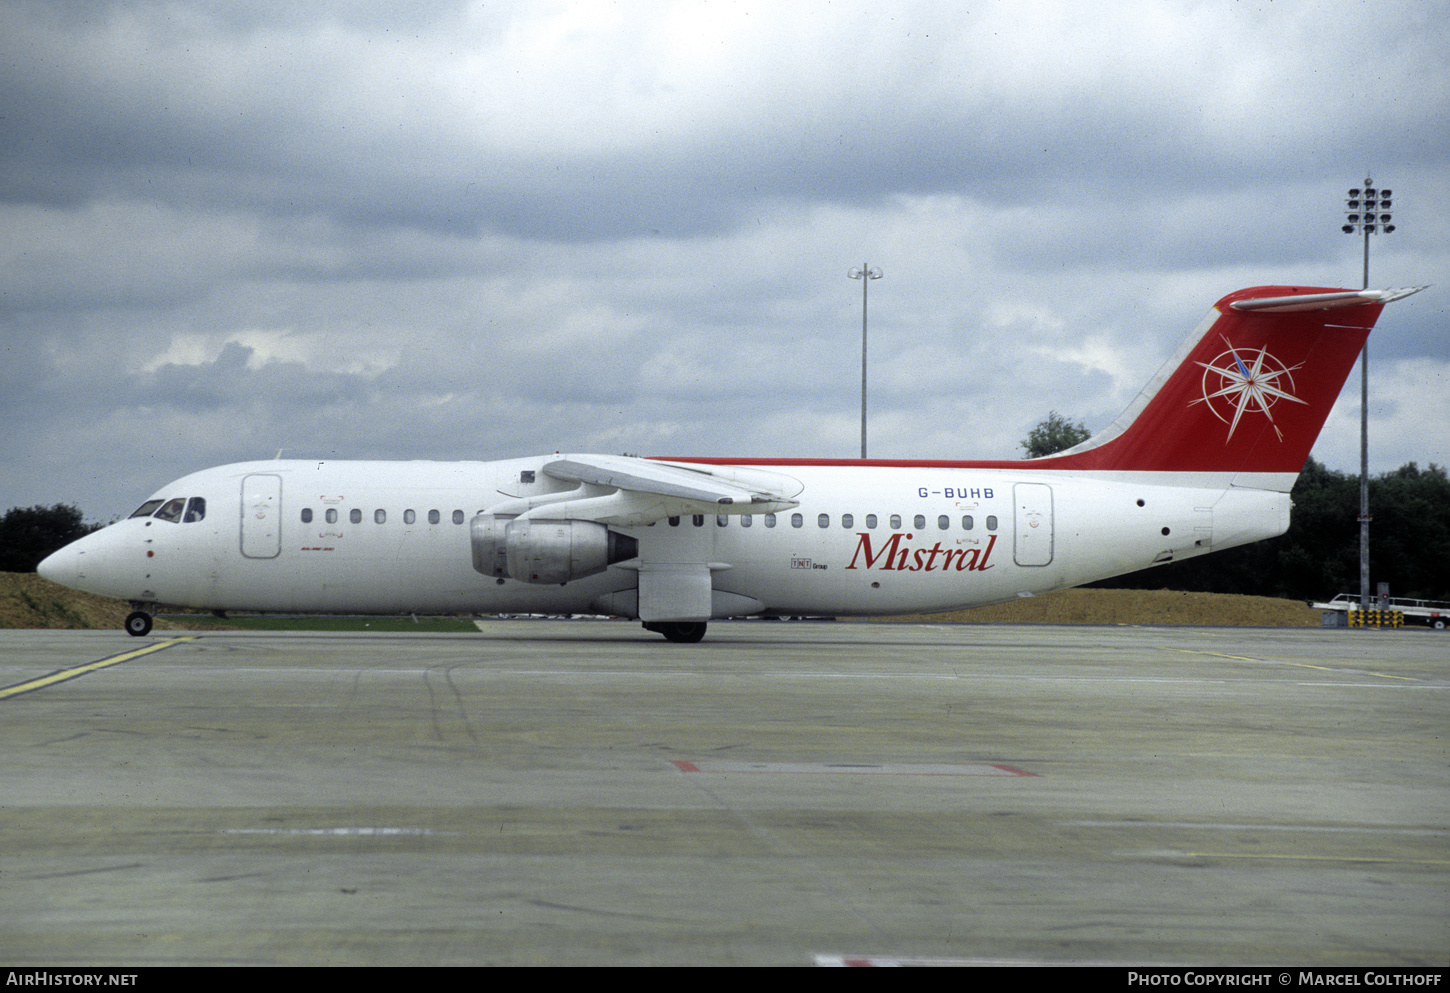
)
(1248, 392)
(1245, 395)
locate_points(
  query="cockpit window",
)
(147, 508)
(195, 510)
(171, 510)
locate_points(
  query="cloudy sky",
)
(478, 230)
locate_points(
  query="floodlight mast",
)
(865, 273)
(1367, 213)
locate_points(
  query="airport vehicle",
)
(1431, 613)
(1203, 459)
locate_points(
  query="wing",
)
(632, 492)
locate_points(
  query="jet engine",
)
(546, 552)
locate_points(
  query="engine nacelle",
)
(546, 552)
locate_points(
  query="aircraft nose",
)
(62, 566)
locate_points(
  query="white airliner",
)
(1202, 460)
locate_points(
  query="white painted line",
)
(848, 768)
(1233, 826)
(829, 961)
(343, 832)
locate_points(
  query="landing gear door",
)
(262, 516)
(1032, 510)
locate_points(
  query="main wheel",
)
(680, 632)
(138, 623)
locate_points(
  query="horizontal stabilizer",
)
(1323, 301)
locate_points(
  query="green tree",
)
(29, 534)
(1409, 534)
(1053, 435)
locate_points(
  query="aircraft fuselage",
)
(394, 537)
(1203, 459)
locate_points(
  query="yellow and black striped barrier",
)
(1376, 618)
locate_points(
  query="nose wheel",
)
(138, 623)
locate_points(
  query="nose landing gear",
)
(138, 623)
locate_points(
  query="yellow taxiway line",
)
(1300, 665)
(62, 675)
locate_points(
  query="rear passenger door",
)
(1032, 512)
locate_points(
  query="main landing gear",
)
(138, 623)
(681, 632)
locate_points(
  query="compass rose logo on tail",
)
(1234, 386)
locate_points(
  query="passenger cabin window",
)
(919, 521)
(797, 521)
(410, 516)
(943, 522)
(434, 517)
(967, 523)
(306, 515)
(992, 523)
(770, 520)
(355, 515)
(896, 522)
(380, 517)
(848, 521)
(870, 521)
(458, 517)
(745, 520)
(823, 521)
(331, 515)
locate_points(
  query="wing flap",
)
(656, 478)
(632, 492)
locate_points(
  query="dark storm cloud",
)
(199, 105)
